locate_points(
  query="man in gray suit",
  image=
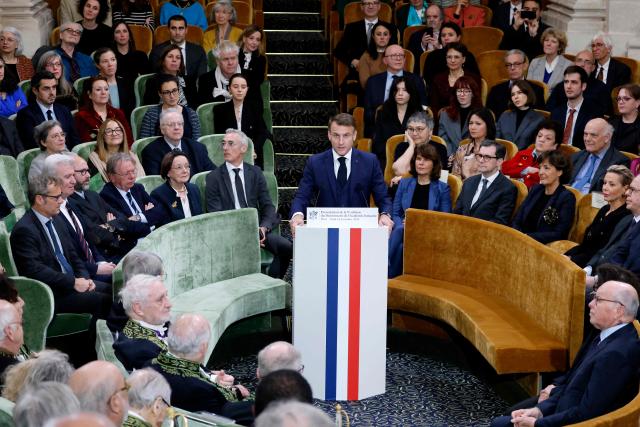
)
(236, 185)
(491, 195)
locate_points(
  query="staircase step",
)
(300, 140)
(301, 88)
(302, 113)
(288, 41)
(316, 63)
(285, 196)
(291, 5)
(289, 168)
(293, 20)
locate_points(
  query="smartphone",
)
(430, 32)
(527, 14)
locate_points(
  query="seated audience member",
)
(519, 123)
(76, 63)
(276, 356)
(610, 71)
(126, 196)
(489, 195)
(36, 405)
(193, 388)
(170, 62)
(283, 414)
(607, 362)
(95, 34)
(411, 14)
(392, 118)
(131, 62)
(66, 94)
(177, 198)
(69, 12)
(62, 167)
(100, 387)
(172, 129)
(251, 59)
(524, 165)
(111, 139)
(427, 39)
(43, 250)
(626, 125)
(121, 93)
(516, 63)
(46, 365)
(243, 115)
(378, 86)
(44, 107)
(192, 11)
(169, 91)
(453, 125)
(282, 385)
(465, 14)
(549, 68)
(423, 190)
(237, 184)
(51, 140)
(441, 88)
(525, 33)
(481, 127)
(196, 58)
(504, 13)
(10, 143)
(11, 47)
(419, 132)
(133, 13)
(79, 420)
(95, 108)
(370, 63)
(223, 16)
(213, 86)
(436, 61)
(149, 399)
(547, 213)
(6, 207)
(578, 110)
(614, 188)
(11, 337)
(12, 98)
(590, 164)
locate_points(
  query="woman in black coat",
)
(253, 64)
(626, 125)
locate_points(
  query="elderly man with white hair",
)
(149, 399)
(276, 356)
(609, 71)
(213, 86)
(291, 413)
(172, 129)
(38, 404)
(11, 337)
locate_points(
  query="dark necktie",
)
(66, 267)
(600, 75)
(513, 16)
(568, 127)
(134, 209)
(242, 201)
(369, 27)
(83, 242)
(485, 182)
(342, 172)
(49, 115)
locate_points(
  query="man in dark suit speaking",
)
(341, 177)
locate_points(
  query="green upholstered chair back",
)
(212, 142)
(83, 150)
(6, 256)
(38, 311)
(25, 85)
(140, 144)
(272, 185)
(136, 119)
(78, 85)
(6, 412)
(203, 249)
(269, 158)
(10, 181)
(104, 346)
(139, 87)
(96, 183)
(200, 179)
(150, 182)
(205, 116)
(265, 92)
(24, 163)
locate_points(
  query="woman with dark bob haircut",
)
(547, 213)
(423, 190)
(177, 197)
(519, 123)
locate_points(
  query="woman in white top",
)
(550, 67)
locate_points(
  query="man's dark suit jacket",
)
(627, 253)
(589, 110)
(31, 116)
(35, 258)
(10, 144)
(618, 235)
(197, 154)
(501, 15)
(354, 41)
(500, 94)
(220, 197)
(5, 204)
(618, 74)
(521, 39)
(196, 63)
(133, 353)
(111, 195)
(92, 267)
(626, 138)
(495, 205)
(170, 206)
(596, 91)
(611, 157)
(319, 186)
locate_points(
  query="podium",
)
(340, 310)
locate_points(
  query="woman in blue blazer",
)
(520, 123)
(547, 213)
(177, 197)
(423, 190)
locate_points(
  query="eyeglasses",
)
(82, 171)
(463, 91)
(181, 167)
(624, 98)
(132, 172)
(484, 157)
(54, 64)
(72, 31)
(58, 135)
(56, 198)
(420, 129)
(633, 190)
(170, 92)
(597, 299)
(597, 44)
(513, 64)
(114, 131)
(395, 56)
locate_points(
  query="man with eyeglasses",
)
(238, 184)
(43, 250)
(172, 139)
(604, 375)
(525, 32)
(76, 63)
(610, 71)
(11, 337)
(149, 399)
(490, 195)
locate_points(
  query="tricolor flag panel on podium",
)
(339, 310)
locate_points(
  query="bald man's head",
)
(81, 420)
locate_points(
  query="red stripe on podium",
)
(355, 262)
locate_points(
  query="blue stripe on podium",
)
(333, 238)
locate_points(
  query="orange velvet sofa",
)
(516, 300)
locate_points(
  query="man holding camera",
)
(526, 30)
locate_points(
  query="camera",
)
(528, 14)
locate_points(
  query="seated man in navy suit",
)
(490, 195)
(627, 253)
(341, 177)
(172, 129)
(604, 375)
(236, 185)
(44, 88)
